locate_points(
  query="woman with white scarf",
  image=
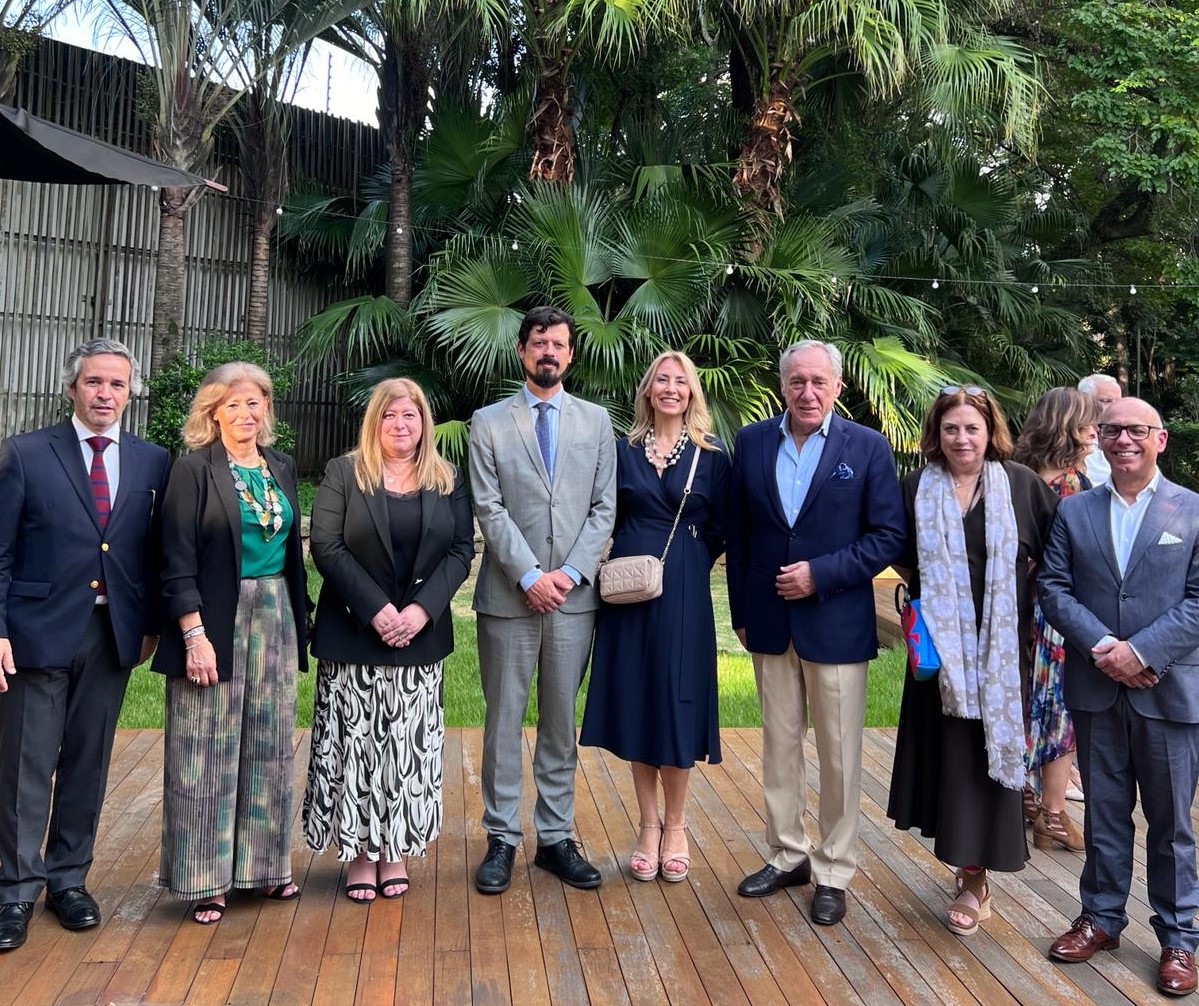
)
(977, 524)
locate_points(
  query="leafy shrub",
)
(174, 386)
(1180, 462)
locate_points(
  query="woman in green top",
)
(235, 603)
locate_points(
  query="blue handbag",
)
(923, 660)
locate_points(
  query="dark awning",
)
(35, 150)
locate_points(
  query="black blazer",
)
(201, 535)
(351, 546)
(52, 550)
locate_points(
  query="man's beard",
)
(545, 378)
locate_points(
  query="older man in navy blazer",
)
(1120, 581)
(78, 585)
(816, 513)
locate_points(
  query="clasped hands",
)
(549, 591)
(1119, 662)
(399, 628)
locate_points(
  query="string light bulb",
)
(278, 211)
(515, 245)
(1035, 288)
(936, 284)
(728, 269)
(1132, 290)
(399, 230)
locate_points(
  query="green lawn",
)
(464, 697)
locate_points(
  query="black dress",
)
(652, 696)
(939, 783)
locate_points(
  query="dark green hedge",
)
(1180, 462)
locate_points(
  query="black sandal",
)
(276, 893)
(401, 882)
(361, 887)
(208, 906)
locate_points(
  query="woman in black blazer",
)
(236, 601)
(393, 537)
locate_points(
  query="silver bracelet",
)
(195, 630)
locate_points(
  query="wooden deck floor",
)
(689, 943)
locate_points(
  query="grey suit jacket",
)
(1155, 605)
(528, 522)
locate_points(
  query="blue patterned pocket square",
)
(843, 471)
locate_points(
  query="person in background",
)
(79, 510)
(236, 601)
(652, 696)
(1105, 389)
(1054, 442)
(977, 525)
(393, 537)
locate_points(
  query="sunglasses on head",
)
(1135, 431)
(965, 389)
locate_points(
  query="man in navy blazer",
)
(78, 588)
(1120, 581)
(816, 513)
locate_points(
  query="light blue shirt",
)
(1126, 521)
(555, 403)
(793, 469)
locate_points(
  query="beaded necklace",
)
(268, 510)
(657, 460)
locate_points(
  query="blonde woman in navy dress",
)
(652, 697)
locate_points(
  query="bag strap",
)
(682, 503)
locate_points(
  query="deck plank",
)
(540, 943)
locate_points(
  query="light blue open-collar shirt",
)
(793, 468)
(532, 401)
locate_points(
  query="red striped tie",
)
(98, 477)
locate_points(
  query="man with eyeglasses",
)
(1105, 390)
(1120, 580)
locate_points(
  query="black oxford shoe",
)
(828, 905)
(75, 908)
(770, 879)
(494, 875)
(563, 860)
(14, 922)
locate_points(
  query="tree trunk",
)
(258, 295)
(766, 151)
(170, 278)
(399, 236)
(551, 129)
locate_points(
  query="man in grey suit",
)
(543, 473)
(1120, 580)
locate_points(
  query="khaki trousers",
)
(837, 696)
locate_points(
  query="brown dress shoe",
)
(1176, 972)
(1082, 941)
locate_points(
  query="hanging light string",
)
(730, 268)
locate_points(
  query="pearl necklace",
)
(659, 461)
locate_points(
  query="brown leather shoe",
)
(1052, 828)
(1082, 941)
(1176, 972)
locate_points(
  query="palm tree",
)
(402, 41)
(22, 23)
(199, 74)
(786, 47)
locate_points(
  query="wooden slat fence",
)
(77, 262)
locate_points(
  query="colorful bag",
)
(923, 660)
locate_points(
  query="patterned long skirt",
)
(374, 777)
(226, 794)
(1050, 729)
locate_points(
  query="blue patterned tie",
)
(543, 435)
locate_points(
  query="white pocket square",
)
(1168, 539)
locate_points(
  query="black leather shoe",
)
(494, 875)
(770, 879)
(75, 908)
(565, 862)
(828, 905)
(14, 922)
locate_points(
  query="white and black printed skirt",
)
(374, 777)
